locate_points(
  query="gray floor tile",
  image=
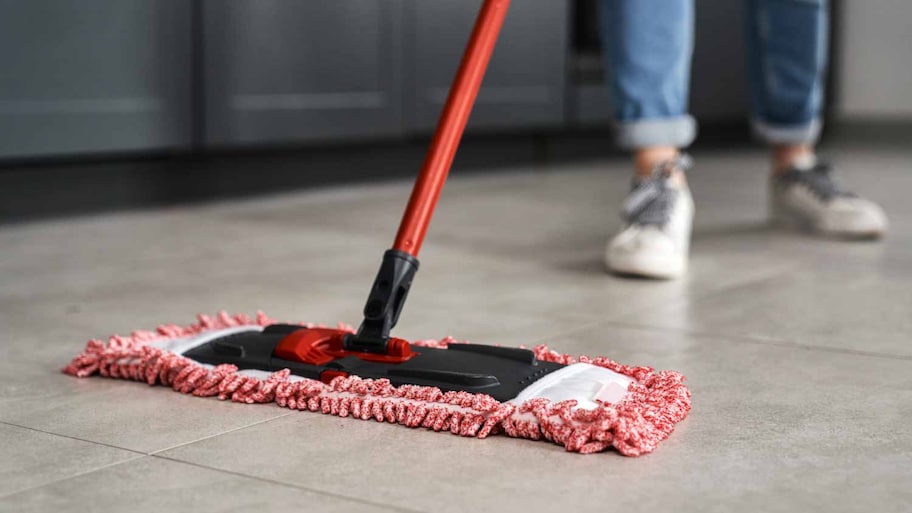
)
(584, 292)
(30, 458)
(117, 255)
(124, 414)
(849, 307)
(512, 257)
(154, 485)
(34, 333)
(526, 243)
(773, 429)
(22, 382)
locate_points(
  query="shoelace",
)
(818, 180)
(652, 199)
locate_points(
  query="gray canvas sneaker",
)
(810, 199)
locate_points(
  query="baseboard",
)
(37, 189)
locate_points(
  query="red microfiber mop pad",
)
(640, 418)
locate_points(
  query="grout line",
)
(288, 485)
(136, 455)
(759, 340)
(141, 453)
(232, 430)
(74, 476)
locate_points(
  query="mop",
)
(585, 404)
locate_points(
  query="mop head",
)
(589, 406)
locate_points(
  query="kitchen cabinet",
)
(524, 84)
(279, 72)
(94, 76)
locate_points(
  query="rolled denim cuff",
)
(805, 133)
(679, 132)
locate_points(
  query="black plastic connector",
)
(384, 303)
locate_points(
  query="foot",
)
(658, 214)
(808, 198)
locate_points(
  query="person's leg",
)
(787, 59)
(648, 46)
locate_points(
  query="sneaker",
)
(809, 199)
(657, 214)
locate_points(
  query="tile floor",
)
(798, 351)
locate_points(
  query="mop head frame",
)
(654, 403)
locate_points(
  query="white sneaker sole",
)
(780, 216)
(662, 268)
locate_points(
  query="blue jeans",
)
(648, 46)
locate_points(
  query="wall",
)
(875, 69)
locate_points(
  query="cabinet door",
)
(524, 84)
(93, 75)
(279, 71)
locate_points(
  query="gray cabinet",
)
(524, 85)
(93, 75)
(99, 76)
(279, 71)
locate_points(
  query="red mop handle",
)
(450, 127)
